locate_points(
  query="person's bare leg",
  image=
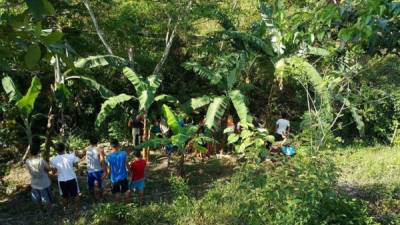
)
(117, 197)
(127, 196)
(76, 204)
(141, 197)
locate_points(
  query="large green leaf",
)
(100, 60)
(239, 102)
(204, 72)
(135, 79)
(180, 140)
(253, 41)
(146, 99)
(10, 89)
(356, 117)
(153, 143)
(108, 106)
(199, 102)
(172, 121)
(215, 111)
(93, 84)
(27, 102)
(40, 7)
(154, 81)
(32, 56)
(166, 98)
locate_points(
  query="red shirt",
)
(137, 169)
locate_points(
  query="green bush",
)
(298, 191)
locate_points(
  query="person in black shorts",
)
(63, 164)
(117, 167)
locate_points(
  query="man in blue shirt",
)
(117, 168)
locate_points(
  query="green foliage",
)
(11, 90)
(108, 106)
(100, 61)
(32, 56)
(40, 8)
(93, 84)
(27, 102)
(216, 110)
(146, 88)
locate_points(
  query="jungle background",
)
(72, 68)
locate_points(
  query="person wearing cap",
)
(117, 168)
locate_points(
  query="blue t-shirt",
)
(116, 161)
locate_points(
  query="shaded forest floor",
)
(18, 208)
(372, 175)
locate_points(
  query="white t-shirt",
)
(92, 158)
(65, 166)
(37, 169)
(282, 124)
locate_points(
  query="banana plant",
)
(226, 78)
(25, 105)
(181, 137)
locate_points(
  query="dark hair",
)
(284, 115)
(59, 147)
(94, 140)
(35, 149)
(114, 143)
(137, 153)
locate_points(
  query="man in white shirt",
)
(282, 127)
(63, 164)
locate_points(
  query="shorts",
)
(120, 186)
(42, 196)
(137, 184)
(92, 177)
(68, 188)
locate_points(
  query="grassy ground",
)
(200, 174)
(373, 175)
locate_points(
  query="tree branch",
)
(169, 39)
(96, 26)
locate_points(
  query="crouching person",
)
(63, 164)
(40, 182)
(117, 168)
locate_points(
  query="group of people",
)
(114, 166)
(125, 176)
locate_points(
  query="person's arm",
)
(102, 158)
(46, 166)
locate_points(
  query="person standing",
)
(95, 164)
(117, 168)
(64, 165)
(137, 168)
(282, 127)
(40, 182)
(137, 130)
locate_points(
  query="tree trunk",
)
(28, 132)
(146, 151)
(49, 128)
(181, 164)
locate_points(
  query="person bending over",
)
(282, 127)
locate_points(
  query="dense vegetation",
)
(72, 68)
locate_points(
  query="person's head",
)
(60, 148)
(35, 149)
(94, 141)
(284, 115)
(138, 154)
(114, 144)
